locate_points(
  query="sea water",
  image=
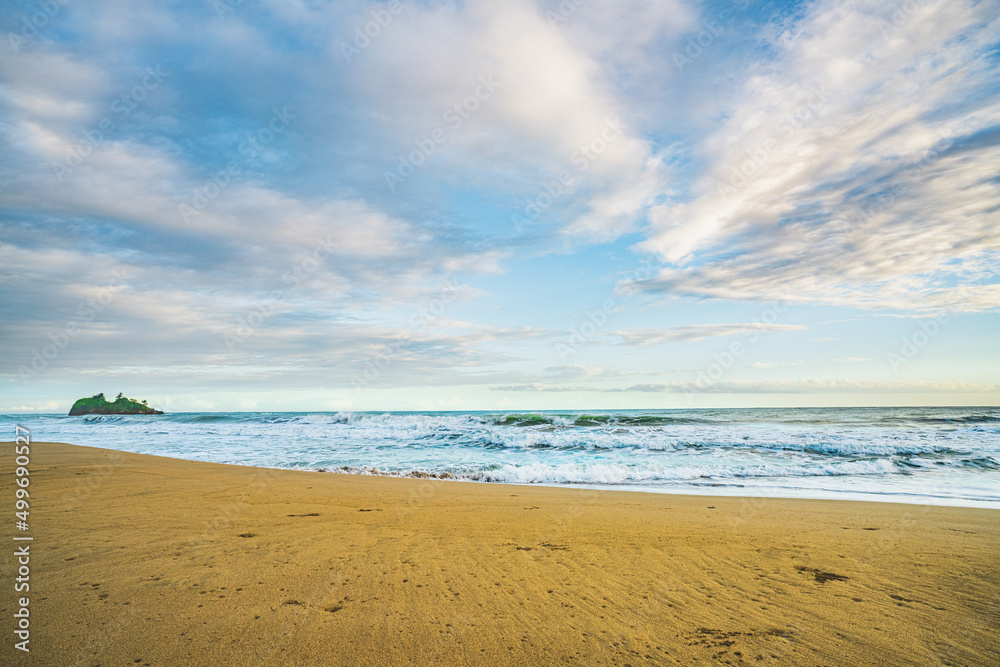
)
(945, 456)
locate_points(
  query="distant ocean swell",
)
(828, 416)
(949, 455)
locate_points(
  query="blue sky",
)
(484, 205)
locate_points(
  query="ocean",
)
(940, 456)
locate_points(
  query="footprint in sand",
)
(820, 576)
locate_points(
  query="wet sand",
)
(147, 560)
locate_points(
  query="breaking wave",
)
(913, 452)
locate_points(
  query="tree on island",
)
(98, 405)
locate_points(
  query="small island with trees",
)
(98, 405)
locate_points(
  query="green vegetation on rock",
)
(98, 405)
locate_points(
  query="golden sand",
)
(148, 560)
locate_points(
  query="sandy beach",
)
(155, 561)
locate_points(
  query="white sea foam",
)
(910, 452)
(569, 473)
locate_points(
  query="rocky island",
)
(98, 405)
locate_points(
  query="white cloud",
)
(538, 387)
(774, 364)
(868, 155)
(787, 386)
(555, 100)
(696, 332)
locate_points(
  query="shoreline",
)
(169, 561)
(941, 456)
(846, 496)
(766, 492)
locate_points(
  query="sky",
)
(521, 205)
